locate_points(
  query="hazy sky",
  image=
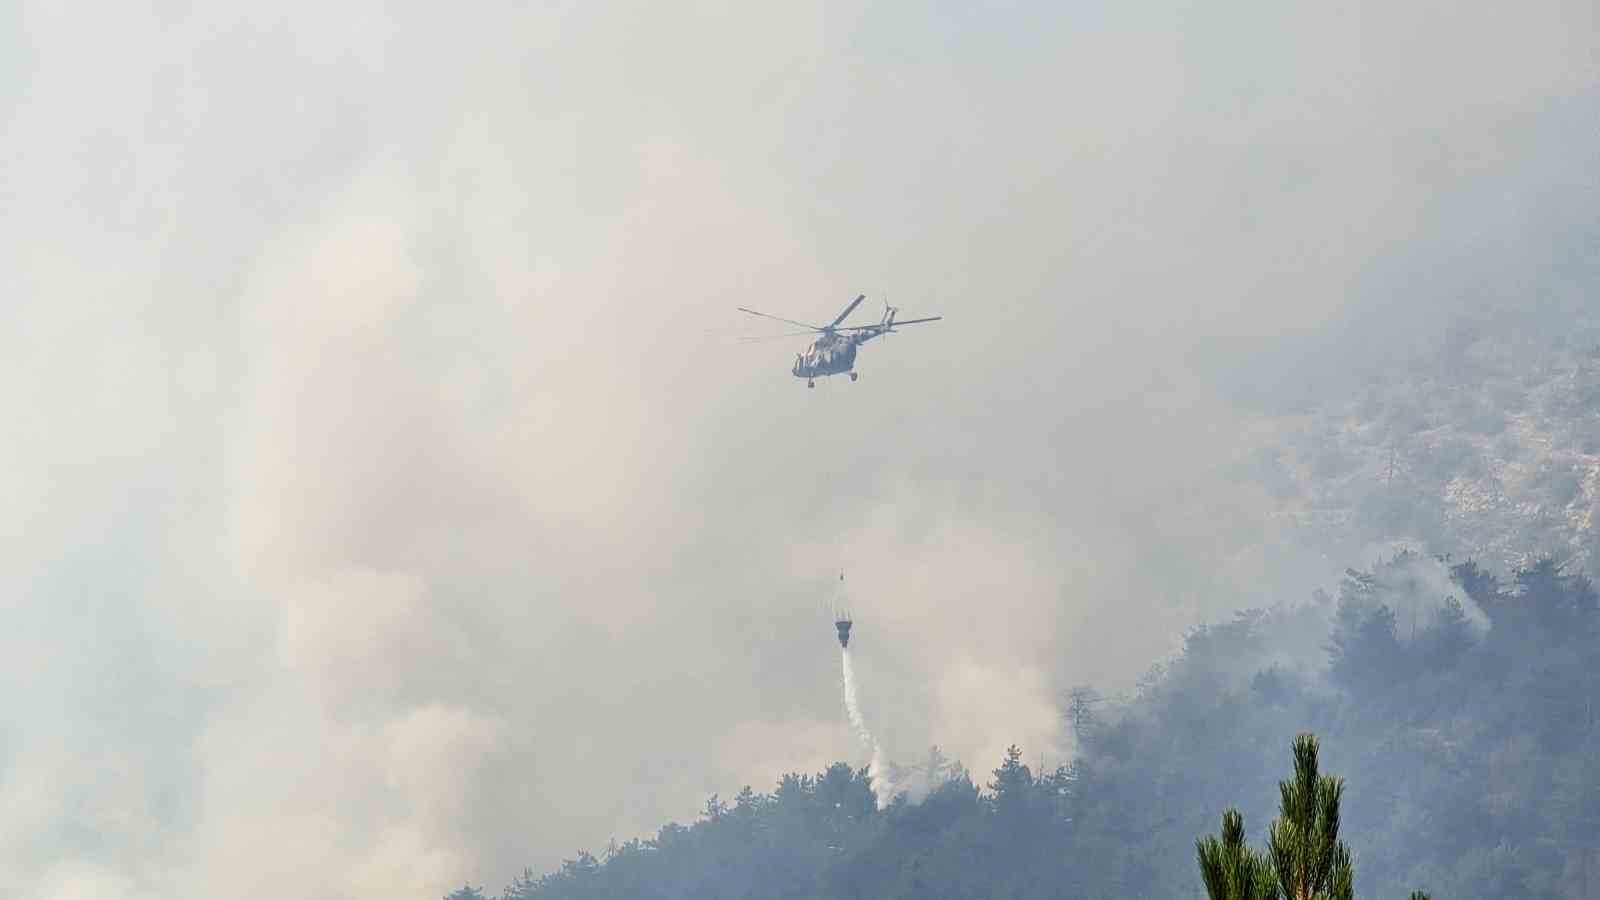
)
(387, 500)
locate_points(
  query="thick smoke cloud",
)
(388, 502)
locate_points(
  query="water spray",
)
(883, 790)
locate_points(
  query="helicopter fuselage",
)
(830, 354)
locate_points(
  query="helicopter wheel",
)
(810, 383)
(854, 376)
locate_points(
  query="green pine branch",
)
(1305, 860)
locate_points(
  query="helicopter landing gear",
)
(810, 383)
(854, 376)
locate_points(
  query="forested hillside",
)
(1464, 723)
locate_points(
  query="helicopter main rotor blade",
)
(897, 324)
(847, 311)
(774, 337)
(780, 319)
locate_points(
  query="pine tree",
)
(1303, 842)
(1013, 781)
(1230, 870)
(523, 887)
(1305, 860)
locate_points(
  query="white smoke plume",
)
(883, 788)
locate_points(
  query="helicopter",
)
(834, 350)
